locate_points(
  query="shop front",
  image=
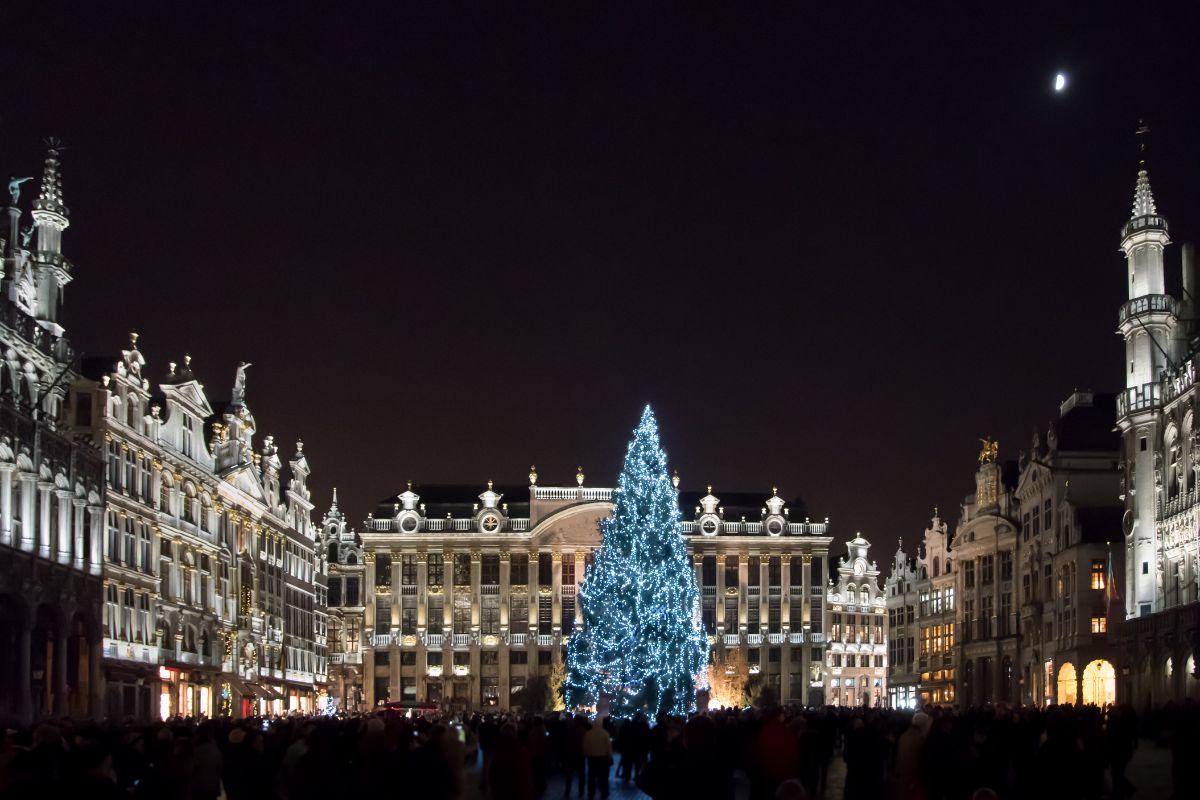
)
(185, 693)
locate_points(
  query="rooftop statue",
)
(14, 188)
(239, 385)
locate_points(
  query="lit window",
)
(1098, 574)
(1099, 624)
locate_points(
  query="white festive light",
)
(642, 645)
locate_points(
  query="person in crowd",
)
(598, 751)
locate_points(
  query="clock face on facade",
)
(490, 523)
(1127, 522)
(709, 527)
(408, 524)
(774, 527)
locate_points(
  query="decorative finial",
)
(489, 486)
(1142, 131)
(989, 451)
(579, 475)
(133, 337)
(333, 505)
(710, 488)
(774, 491)
(533, 475)
(187, 361)
(675, 479)
(299, 446)
(935, 512)
(171, 366)
(410, 486)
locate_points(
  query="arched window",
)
(935, 566)
(204, 644)
(351, 559)
(205, 512)
(333, 553)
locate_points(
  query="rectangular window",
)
(1006, 565)
(489, 620)
(754, 571)
(708, 571)
(518, 656)
(408, 618)
(462, 569)
(489, 570)
(1099, 624)
(1005, 613)
(731, 571)
(773, 571)
(462, 620)
(518, 569)
(434, 569)
(731, 615)
(352, 593)
(1098, 569)
(709, 615)
(545, 616)
(752, 616)
(567, 615)
(545, 570)
(408, 570)
(568, 571)
(985, 617)
(436, 618)
(986, 565)
(335, 591)
(383, 615)
(518, 613)
(969, 574)
(773, 621)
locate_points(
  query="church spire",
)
(1143, 198)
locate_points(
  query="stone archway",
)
(1099, 683)
(1067, 688)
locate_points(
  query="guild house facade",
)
(457, 597)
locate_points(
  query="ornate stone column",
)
(785, 657)
(43, 519)
(26, 482)
(505, 678)
(806, 623)
(556, 593)
(6, 492)
(63, 544)
(78, 557)
(743, 597)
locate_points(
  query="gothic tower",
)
(1147, 321)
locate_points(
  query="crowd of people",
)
(774, 752)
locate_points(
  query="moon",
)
(1060, 82)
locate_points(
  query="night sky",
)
(832, 250)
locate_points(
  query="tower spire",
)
(49, 212)
(1143, 198)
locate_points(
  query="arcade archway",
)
(1067, 694)
(1099, 683)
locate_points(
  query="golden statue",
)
(989, 451)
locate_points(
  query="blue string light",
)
(642, 644)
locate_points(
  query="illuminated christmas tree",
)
(642, 644)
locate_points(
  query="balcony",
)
(796, 638)
(732, 640)
(1142, 223)
(1149, 304)
(545, 641)
(518, 639)
(461, 640)
(1147, 397)
(775, 638)
(754, 639)
(433, 640)
(381, 640)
